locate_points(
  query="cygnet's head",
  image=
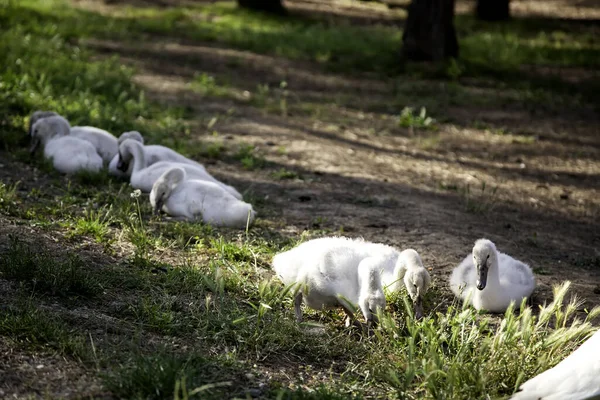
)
(416, 279)
(36, 116)
(162, 188)
(126, 149)
(133, 135)
(484, 253)
(371, 299)
(47, 128)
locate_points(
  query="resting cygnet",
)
(143, 177)
(68, 154)
(152, 154)
(36, 116)
(491, 280)
(105, 143)
(199, 200)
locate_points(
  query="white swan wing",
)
(463, 276)
(577, 377)
(70, 155)
(515, 272)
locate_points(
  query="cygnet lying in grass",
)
(152, 154)
(36, 116)
(68, 154)
(105, 143)
(191, 199)
(143, 177)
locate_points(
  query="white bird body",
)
(504, 278)
(577, 377)
(192, 199)
(68, 154)
(143, 176)
(105, 143)
(334, 268)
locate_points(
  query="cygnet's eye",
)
(415, 285)
(488, 256)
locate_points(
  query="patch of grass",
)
(92, 178)
(164, 374)
(43, 70)
(479, 201)
(44, 273)
(213, 150)
(208, 86)
(8, 198)
(187, 234)
(249, 157)
(541, 271)
(26, 323)
(460, 355)
(284, 174)
(158, 313)
(409, 119)
(94, 223)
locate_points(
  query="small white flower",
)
(136, 193)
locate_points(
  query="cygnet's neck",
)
(370, 281)
(137, 150)
(493, 274)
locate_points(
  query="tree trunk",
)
(493, 10)
(270, 6)
(429, 34)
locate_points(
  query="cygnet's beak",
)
(158, 206)
(481, 277)
(121, 165)
(418, 307)
(34, 145)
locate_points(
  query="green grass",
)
(284, 174)
(250, 158)
(164, 375)
(459, 355)
(409, 119)
(44, 273)
(94, 223)
(8, 198)
(27, 324)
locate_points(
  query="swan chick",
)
(36, 116)
(409, 268)
(146, 169)
(68, 154)
(491, 280)
(191, 199)
(113, 166)
(336, 272)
